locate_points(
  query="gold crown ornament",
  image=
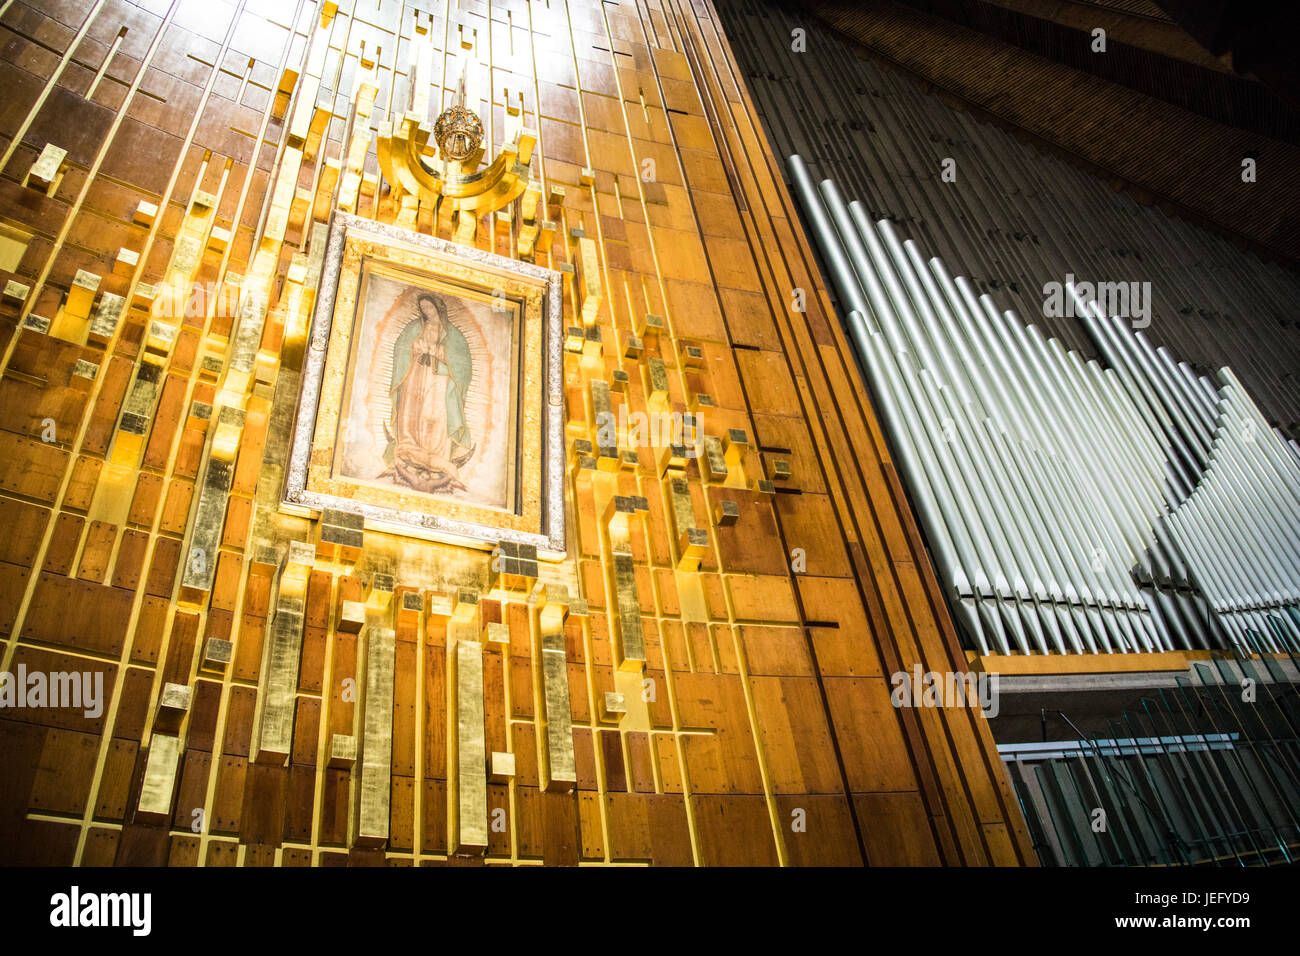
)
(458, 133)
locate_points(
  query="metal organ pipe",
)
(949, 541)
(1070, 506)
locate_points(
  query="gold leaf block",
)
(351, 617)
(46, 169)
(217, 654)
(173, 705)
(343, 751)
(613, 706)
(629, 643)
(561, 764)
(275, 732)
(470, 824)
(502, 767)
(159, 783)
(377, 741)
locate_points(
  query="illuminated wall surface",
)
(290, 690)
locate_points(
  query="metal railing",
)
(1203, 774)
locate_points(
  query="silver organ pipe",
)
(1070, 506)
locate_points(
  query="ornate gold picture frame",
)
(432, 385)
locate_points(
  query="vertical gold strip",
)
(275, 730)
(377, 740)
(210, 515)
(159, 782)
(470, 829)
(561, 763)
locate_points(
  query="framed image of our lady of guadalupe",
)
(432, 391)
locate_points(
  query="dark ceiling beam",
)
(1258, 37)
(1162, 153)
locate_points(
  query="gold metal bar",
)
(613, 707)
(137, 414)
(217, 654)
(377, 738)
(726, 513)
(159, 783)
(652, 327)
(606, 426)
(734, 447)
(173, 705)
(243, 358)
(692, 540)
(561, 762)
(210, 514)
(469, 826)
(47, 166)
(340, 536)
(275, 731)
(629, 644)
(72, 324)
(343, 751)
(592, 345)
(502, 767)
(275, 740)
(351, 617)
(715, 460)
(106, 316)
(657, 397)
(590, 296)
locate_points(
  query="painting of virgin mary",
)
(429, 439)
(430, 400)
